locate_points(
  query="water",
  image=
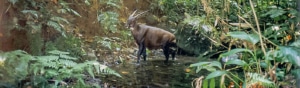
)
(153, 73)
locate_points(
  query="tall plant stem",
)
(258, 29)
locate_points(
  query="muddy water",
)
(153, 73)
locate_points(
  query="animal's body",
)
(151, 37)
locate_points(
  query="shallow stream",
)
(153, 73)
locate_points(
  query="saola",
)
(150, 37)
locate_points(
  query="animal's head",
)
(131, 21)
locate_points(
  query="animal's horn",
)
(132, 13)
(141, 14)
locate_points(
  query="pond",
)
(153, 73)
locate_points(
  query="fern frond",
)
(255, 79)
(67, 57)
(57, 52)
(57, 27)
(32, 12)
(59, 19)
(74, 12)
(47, 58)
(67, 63)
(103, 69)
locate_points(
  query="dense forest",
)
(86, 43)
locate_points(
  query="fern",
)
(15, 66)
(32, 12)
(57, 52)
(109, 20)
(57, 66)
(56, 26)
(67, 8)
(59, 19)
(255, 78)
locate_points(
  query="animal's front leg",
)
(166, 52)
(140, 52)
(144, 53)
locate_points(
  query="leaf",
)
(215, 74)
(275, 13)
(238, 34)
(236, 62)
(74, 12)
(199, 64)
(234, 51)
(216, 63)
(59, 19)
(253, 38)
(90, 71)
(87, 2)
(291, 53)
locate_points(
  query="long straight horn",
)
(132, 14)
(141, 14)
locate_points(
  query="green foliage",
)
(15, 66)
(255, 78)
(109, 20)
(70, 44)
(57, 66)
(253, 38)
(108, 42)
(107, 15)
(40, 20)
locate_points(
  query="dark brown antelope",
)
(150, 37)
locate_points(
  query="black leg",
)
(140, 52)
(166, 53)
(144, 53)
(173, 52)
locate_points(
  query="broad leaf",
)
(199, 64)
(236, 62)
(216, 63)
(239, 34)
(291, 53)
(253, 38)
(275, 13)
(215, 74)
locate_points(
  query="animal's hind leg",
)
(173, 52)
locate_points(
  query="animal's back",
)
(156, 37)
